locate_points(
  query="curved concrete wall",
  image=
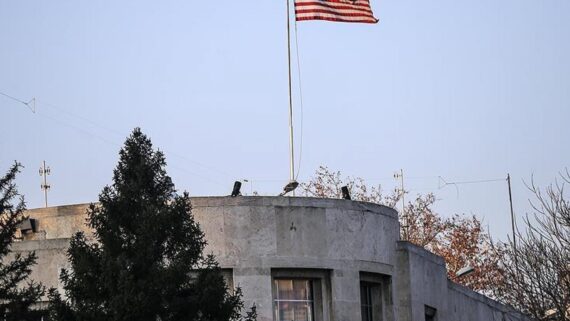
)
(290, 232)
(336, 243)
(254, 236)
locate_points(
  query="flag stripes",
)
(334, 10)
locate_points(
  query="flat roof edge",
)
(220, 201)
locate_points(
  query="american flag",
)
(334, 10)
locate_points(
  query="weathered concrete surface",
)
(59, 222)
(423, 281)
(51, 259)
(335, 241)
(253, 235)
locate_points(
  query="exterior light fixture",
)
(236, 190)
(291, 186)
(345, 193)
(464, 271)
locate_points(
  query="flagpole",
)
(291, 145)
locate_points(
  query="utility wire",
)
(84, 131)
(119, 134)
(85, 119)
(108, 129)
(30, 104)
(112, 143)
(445, 183)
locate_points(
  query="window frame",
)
(380, 286)
(310, 300)
(366, 303)
(320, 287)
(430, 313)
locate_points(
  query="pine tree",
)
(17, 293)
(145, 262)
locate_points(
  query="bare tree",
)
(537, 273)
(328, 184)
(422, 225)
(465, 243)
(459, 240)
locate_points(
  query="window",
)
(301, 294)
(294, 300)
(376, 297)
(430, 313)
(228, 275)
(366, 301)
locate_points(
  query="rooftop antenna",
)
(31, 104)
(400, 175)
(44, 172)
(513, 222)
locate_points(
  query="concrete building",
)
(302, 259)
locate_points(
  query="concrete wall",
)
(58, 222)
(333, 241)
(54, 227)
(423, 282)
(51, 259)
(253, 235)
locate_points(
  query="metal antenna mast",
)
(44, 172)
(400, 175)
(512, 219)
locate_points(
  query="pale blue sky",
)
(466, 90)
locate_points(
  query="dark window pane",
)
(430, 313)
(366, 301)
(365, 314)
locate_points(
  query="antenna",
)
(44, 172)
(513, 222)
(400, 175)
(31, 104)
